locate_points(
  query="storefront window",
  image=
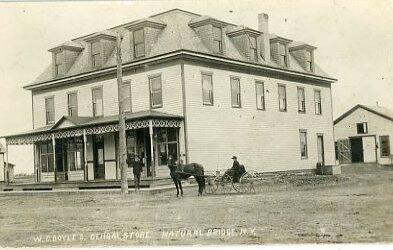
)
(75, 159)
(46, 157)
(166, 145)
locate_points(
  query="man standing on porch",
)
(136, 163)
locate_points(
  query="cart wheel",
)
(226, 183)
(247, 182)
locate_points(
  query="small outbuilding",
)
(362, 135)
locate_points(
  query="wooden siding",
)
(263, 140)
(171, 94)
(376, 124)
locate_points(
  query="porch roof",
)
(68, 126)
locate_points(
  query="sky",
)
(354, 40)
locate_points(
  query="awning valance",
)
(80, 126)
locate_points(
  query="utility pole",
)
(122, 118)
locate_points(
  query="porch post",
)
(86, 169)
(7, 173)
(54, 156)
(35, 163)
(153, 165)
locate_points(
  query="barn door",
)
(344, 151)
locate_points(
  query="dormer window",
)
(58, 63)
(282, 49)
(253, 48)
(217, 39)
(309, 62)
(139, 43)
(279, 50)
(96, 54)
(304, 54)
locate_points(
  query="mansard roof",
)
(177, 35)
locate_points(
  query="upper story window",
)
(96, 54)
(139, 43)
(318, 102)
(253, 48)
(301, 97)
(50, 110)
(362, 128)
(260, 94)
(282, 98)
(303, 144)
(217, 39)
(235, 92)
(98, 104)
(58, 63)
(72, 104)
(207, 89)
(384, 143)
(126, 89)
(283, 53)
(155, 92)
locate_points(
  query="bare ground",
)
(354, 207)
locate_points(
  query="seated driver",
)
(235, 170)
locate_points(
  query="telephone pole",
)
(122, 118)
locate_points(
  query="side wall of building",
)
(377, 126)
(263, 140)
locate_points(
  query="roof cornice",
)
(175, 55)
(242, 31)
(144, 23)
(280, 39)
(302, 46)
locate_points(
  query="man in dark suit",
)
(136, 163)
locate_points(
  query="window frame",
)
(150, 78)
(220, 42)
(139, 43)
(283, 57)
(48, 157)
(211, 97)
(365, 128)
(318, 104)
(285, 97)
(238, 97)
(380, 146)
(94, 102)
(299, 101)
(96, 57)
(68, 103)
(303, 131)
(261, 83)
(47, 121)
(57, 64)
(253, 50)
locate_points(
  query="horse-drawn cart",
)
(226, 183)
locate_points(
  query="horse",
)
(179, 172)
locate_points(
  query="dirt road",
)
(358, 208)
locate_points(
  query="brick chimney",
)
(263, 26)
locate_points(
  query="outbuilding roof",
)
(378, 110)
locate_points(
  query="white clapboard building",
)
(198, 88)
(363, 135)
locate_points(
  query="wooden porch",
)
(147, 182)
